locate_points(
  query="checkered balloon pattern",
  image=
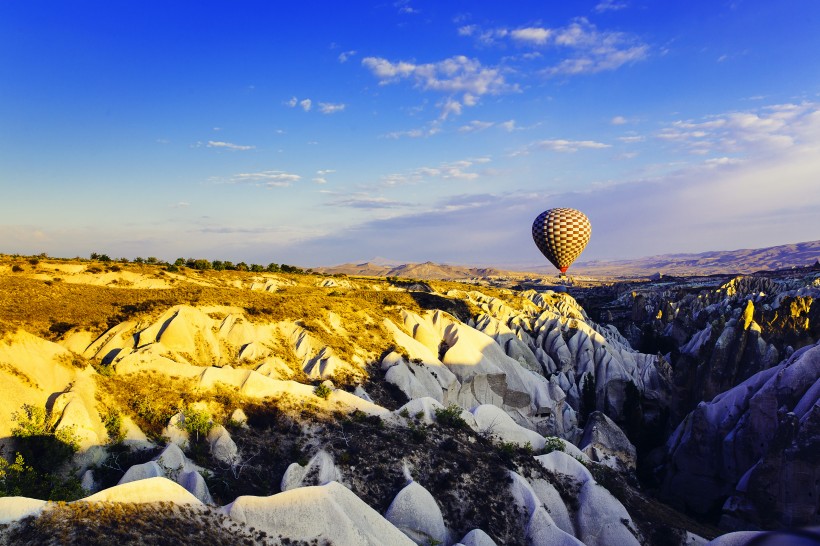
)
(561, 235)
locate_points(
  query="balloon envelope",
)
(561, 235)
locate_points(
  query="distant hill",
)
(742, 261)
(706, 263)
(426, 271)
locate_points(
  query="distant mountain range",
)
(427, 270)
(742, 261)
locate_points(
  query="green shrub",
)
(18, 479)
(196, 422)
(39, 440)
(450, 416)
(553, 444)
(113, 425)
(322, 391)
(16, 268)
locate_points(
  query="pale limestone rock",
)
(361, 393)
(494, 421)
(238, 416)
(540, 527)
(87, 482)
(477, 537)
(150, 490)
(223, 448)
(330, 512)
(194, 483)
(175, 432)
(320, 470)
(601, 519)
(604, 442)
(554, 505)
(143, 471)
(16, 508)
(738, 538)
(415, 513)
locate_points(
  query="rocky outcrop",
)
(415, 513)
(751, 451)
(603, 442)
(600, 519)
(173, 465)
(330, 512)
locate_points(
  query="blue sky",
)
(326, 132)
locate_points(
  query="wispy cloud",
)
(404, 7)
(330, 108)
(631, 139)
(562, 145)
(610, 5)
(475, 125)
(759, 131)
(345, 56)
(590, 50)
(227, 145)
(430, 129)
(269, 179)
(321, 176)
(307, 105)
(457, 75)
(619, 120)
(455, 170)
(364, 201)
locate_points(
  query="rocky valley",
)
(164, 405)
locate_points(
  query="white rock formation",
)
(540, 527)
(477, 537)
(320, 470)
(330, 512)
(156, 489)
(601, 519)
(495, 422)
(415, 512)
(604, 442)
(174, 465)
(223, 448)
(16, 508)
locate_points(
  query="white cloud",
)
(324, 172)
(532, 35)
(455, 170)
(631, 139)
(320, 180)
(330, 108)
(609, 5)
(292, 102)
(228, 145)
(761, 131)
(456, 75)
(344, 56)
(562, 145)
(364, 201)
(270, 179)
(475, 125)
(467, 30)
(508, 125)
(404, 7)
(590, 49)
(430, 129)
(619, 120)
(306, 104)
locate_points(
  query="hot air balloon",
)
(561, 235)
